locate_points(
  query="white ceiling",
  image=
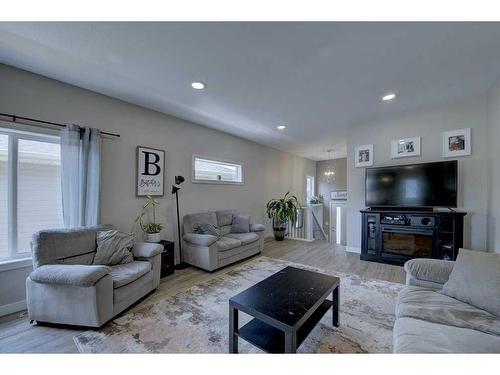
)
(317, 78)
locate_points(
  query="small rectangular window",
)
(207, 170)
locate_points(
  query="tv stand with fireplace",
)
(397, 235)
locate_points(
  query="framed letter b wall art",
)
(150, 164)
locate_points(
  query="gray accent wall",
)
(324, 188)
(494, 167)
(268, 172)
(429, 124)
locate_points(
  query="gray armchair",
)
(66, 288)
(428, 273)
(209, 252)
(429, 321)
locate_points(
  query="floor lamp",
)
(175, 190)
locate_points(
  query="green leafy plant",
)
(152, 227)
(283, 210)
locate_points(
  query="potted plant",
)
(282, 211)
(152, 229)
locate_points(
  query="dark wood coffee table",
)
(286, 307)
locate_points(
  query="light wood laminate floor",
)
(17, 335)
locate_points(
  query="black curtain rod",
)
(15, 118)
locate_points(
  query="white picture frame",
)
(363, 156)
(338, 195)
(457, 143)
(405, 147)
(150, 168)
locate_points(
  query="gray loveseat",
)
(428, 321)
(209, 252)
(66, 288)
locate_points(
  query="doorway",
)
(338, 221)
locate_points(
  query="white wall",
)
(493, 111)
(429, 124)
(268, 172)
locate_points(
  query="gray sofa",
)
(428, 321)
(209, 252)
(66, 288)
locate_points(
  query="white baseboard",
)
(352, 249)
(271, 238)
(300, 239)
(12, 307)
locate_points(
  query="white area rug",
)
(196, 320)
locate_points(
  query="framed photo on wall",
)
(363, 156)
(150, 166)
(456, 143)
(405, 147)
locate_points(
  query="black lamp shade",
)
(179, 180)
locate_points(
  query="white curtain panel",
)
(80, 175)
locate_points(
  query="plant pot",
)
(153, 237)
(279, 234)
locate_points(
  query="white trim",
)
(12, 167)
(25, 129)
(209, 182)
(352, 249)
(338, 225)
(300, 239)
(29, 131)
(14, 264)
(13, 307)
(230, 162)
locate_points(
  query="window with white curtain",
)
(207, 170)
(30, 189)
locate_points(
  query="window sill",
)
(213, 182)
(13, 264)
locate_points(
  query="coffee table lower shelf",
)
(271, 339)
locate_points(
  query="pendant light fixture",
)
(329, 173)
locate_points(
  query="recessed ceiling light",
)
(281, 127)
(388, 97)
(198, 85)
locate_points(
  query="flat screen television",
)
(414, 185)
